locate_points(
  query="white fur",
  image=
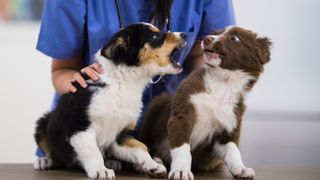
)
(89, 155)
(215, 62)
(231, 155)
(217, 38)
(148, 24)
(140, 158)
(119, 104)
(113, 108)
(42, 163)
(215, 106)
(181, 163)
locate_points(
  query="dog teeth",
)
(178, 64)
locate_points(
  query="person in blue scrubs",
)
(73, 31)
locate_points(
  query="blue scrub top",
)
(82, 27)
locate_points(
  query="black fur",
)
(54, 129)
(59, 125)
(126, 51)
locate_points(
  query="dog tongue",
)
(214, 55)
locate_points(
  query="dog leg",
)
(113, 164)
(89, 155)
(180, 126)
(181, 163)
(231, 155)
(43, 163)
(132, 150)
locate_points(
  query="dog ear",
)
(115, 49)
(264, 44)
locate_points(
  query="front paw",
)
(101, 173)
(179, 174)
(243, 173)
(153, 169)
(42, 163)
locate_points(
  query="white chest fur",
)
(117, 105)
(215, 106)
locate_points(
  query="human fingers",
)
(78, 78)
(97, 67)
(90, 72)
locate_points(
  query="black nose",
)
(183, 35)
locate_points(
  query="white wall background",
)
(291, 80)
(289, 87)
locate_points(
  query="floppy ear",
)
(264, 44)
(115, 49)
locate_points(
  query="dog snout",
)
(180, 36)
(207, 40)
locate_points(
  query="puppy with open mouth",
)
(200, 125)
(95, 121)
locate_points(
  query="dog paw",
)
(113, 164)
(243, 173)
(179, 174)
(152, 169)
(43, 163)
(102, 173)
(158, 172)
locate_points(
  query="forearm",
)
(61, 79)
(65, 71)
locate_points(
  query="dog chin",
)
(171, 69)
(154, 69)
(212, 62)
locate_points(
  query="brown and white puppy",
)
(200, 124)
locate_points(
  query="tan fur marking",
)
(172, 38)
(133, 143)
(43, 144)
(159, 56)
(132, 126)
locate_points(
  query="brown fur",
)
(171, 118)
(195, 58)
(183, 114)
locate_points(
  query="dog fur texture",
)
(200, 125)
(93, 123)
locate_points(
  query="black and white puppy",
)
(92, 123)
(200, 125)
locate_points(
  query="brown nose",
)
(208, 40)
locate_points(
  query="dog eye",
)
(235, 38)
(156, 36)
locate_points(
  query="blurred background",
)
(282, 122)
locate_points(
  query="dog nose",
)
(183, 35)
(208, 40)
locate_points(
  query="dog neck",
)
(123, 73)
(236, 80)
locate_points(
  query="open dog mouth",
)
(175, 64)
(212, 53)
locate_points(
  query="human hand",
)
(91, 71)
